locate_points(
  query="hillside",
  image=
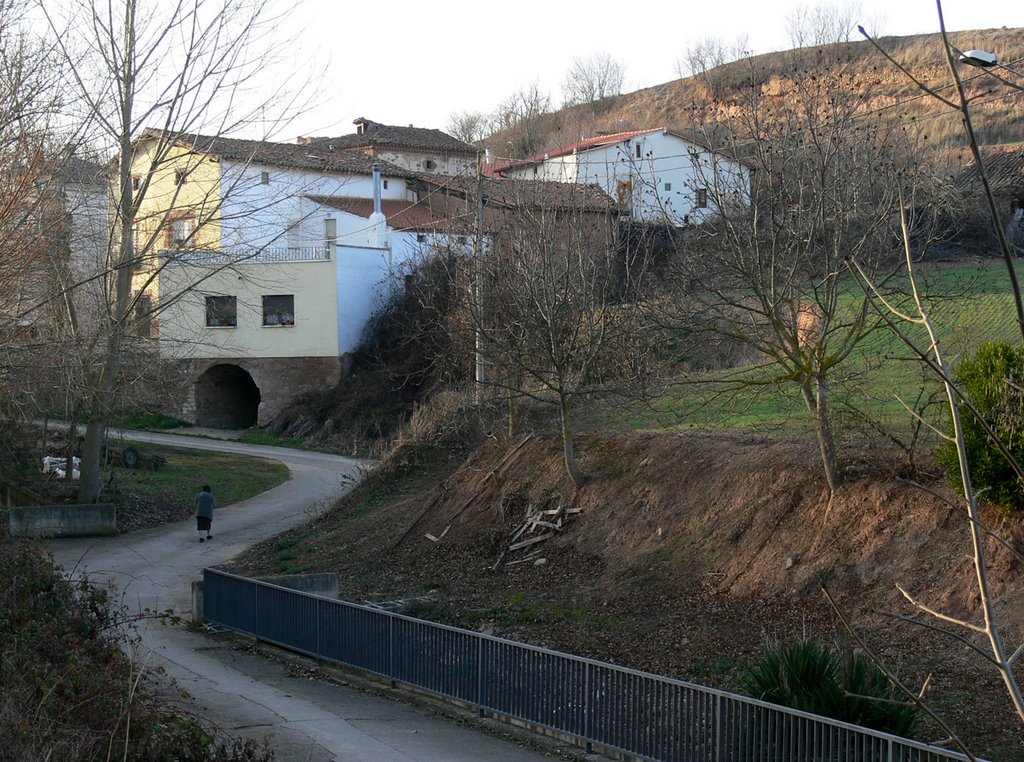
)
(680, 556)
(698, 102)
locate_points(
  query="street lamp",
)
(985, 60)
(980, 58)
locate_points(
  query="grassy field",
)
(969, 304)
(233, 477)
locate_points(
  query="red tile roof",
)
(597, 141)
(401, 215)
(500, 191)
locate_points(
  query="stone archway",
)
(227, 398)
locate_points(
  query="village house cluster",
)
(268, 259)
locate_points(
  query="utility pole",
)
(478, 277)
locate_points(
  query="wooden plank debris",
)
(440, 536)
(531, 541)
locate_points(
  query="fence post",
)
(719, 751)
(481, 677)
(317, 612)
(391, 651)
(256, 616)
(588, 709)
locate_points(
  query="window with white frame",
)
(330, 232)
(221, 311)
(180, 230)
(279, 309)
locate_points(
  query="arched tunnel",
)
(226, 398)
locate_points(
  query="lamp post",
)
(983, 59)
(980, 58)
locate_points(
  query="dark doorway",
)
(226, 398)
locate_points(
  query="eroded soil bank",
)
(681, 555)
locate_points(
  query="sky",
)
(418, 63)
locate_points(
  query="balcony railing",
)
(246, 255)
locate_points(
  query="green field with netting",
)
(970, 304)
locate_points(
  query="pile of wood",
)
(539, 526)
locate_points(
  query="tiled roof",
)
(1004, 165)
(287, 155)
(384, 135)
(536, 193)
(598, 141)
(401, 215)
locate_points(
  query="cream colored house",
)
(272, 258)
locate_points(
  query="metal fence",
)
(646, 715)
(241, 255)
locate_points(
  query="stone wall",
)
(279, 379)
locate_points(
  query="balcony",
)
(241, 255)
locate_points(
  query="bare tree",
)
(987, 625)
(593, 79)
(769, 276)
(708, 53)
(135, 66)
(469, 126)
(519, 116)
(814, 26)
(31, 212)
(555, 328)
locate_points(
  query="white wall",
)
(664, 180)
(277, 213)
(368, 275)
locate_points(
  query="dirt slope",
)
(685, 553)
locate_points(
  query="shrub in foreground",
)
(813, 678)
(67, 691)
(993, 380)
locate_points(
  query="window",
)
(179, 176)
(264, 178)
(421, 238)
(136, 183)
(430, 164)
(385, 184)
(638, 150)
(143, 316)
(180, 231)
(330, 231)
(221, 311)
(668, 186)
(701, 198)
(279, 310)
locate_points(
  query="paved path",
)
(243, 693)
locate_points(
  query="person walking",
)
(204, 512)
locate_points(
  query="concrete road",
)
(242, 693)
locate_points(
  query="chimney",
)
(378, 222)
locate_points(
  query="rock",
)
(540, 562)
(790, 562)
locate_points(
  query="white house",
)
(656, 175)
(272, 259)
